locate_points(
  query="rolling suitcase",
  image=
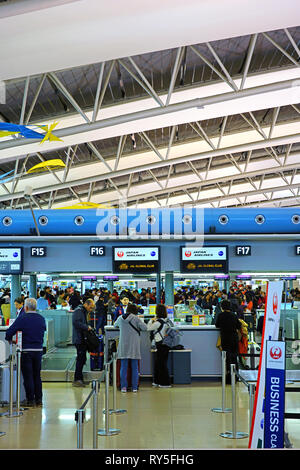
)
(97, 358)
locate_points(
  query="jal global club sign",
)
(136, 259)
(204, 259)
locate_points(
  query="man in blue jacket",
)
(80, 326)
(33, 326)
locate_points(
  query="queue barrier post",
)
(11, 413)
(234, 434)
(223, 409)
(115, 410)
(96, 387)
(80, 417)
(251, 388)
(107, 431)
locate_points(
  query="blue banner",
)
(274, 404)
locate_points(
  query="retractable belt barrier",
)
(80, 413)
(11, 360)
(223, 409)
(80, 416)
(234, 434)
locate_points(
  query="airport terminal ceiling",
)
(131, 130)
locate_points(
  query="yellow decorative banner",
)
(54, 164)
(86, 205)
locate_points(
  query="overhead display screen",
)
(143, 260)
(11, 260)
(204, 259)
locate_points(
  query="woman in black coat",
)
(229, 325)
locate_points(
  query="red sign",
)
(275, 303)
(120, 254)
(275, 352)
(188, 254)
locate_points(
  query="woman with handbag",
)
(159, 326)
(129, 345)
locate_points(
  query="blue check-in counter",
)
(201, 340)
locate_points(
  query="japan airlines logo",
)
(275, 303)
(188, 253)
(275, 352)
(120, 254)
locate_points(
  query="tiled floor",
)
(177, 418)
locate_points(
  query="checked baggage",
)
(97, 356)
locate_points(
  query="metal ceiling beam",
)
(157, 111)
(68, 96)
(24, 102)
(175, 161)
(151, 89)
(248, 59)
(213, 181)
(35, 98)
(267, 36)
(208, 183)
(225, 197)
(178, 60)
(99, 84)
(222, 66)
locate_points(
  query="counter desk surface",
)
(201, 340)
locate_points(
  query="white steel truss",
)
(241, 95)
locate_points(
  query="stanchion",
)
(251, 388)
(234, 434)
(115, 409)
(10, 413)
(223, 409)
(18, 409)
(95, 386)
(107, 431)
(80, 416)
(80, 419)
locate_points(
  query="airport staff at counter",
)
(19, 304)
(122, 308)
(33, 326)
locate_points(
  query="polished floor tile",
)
(176, 418)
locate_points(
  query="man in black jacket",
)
(229, 325)
(80, 326)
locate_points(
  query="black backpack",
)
(91, 340)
